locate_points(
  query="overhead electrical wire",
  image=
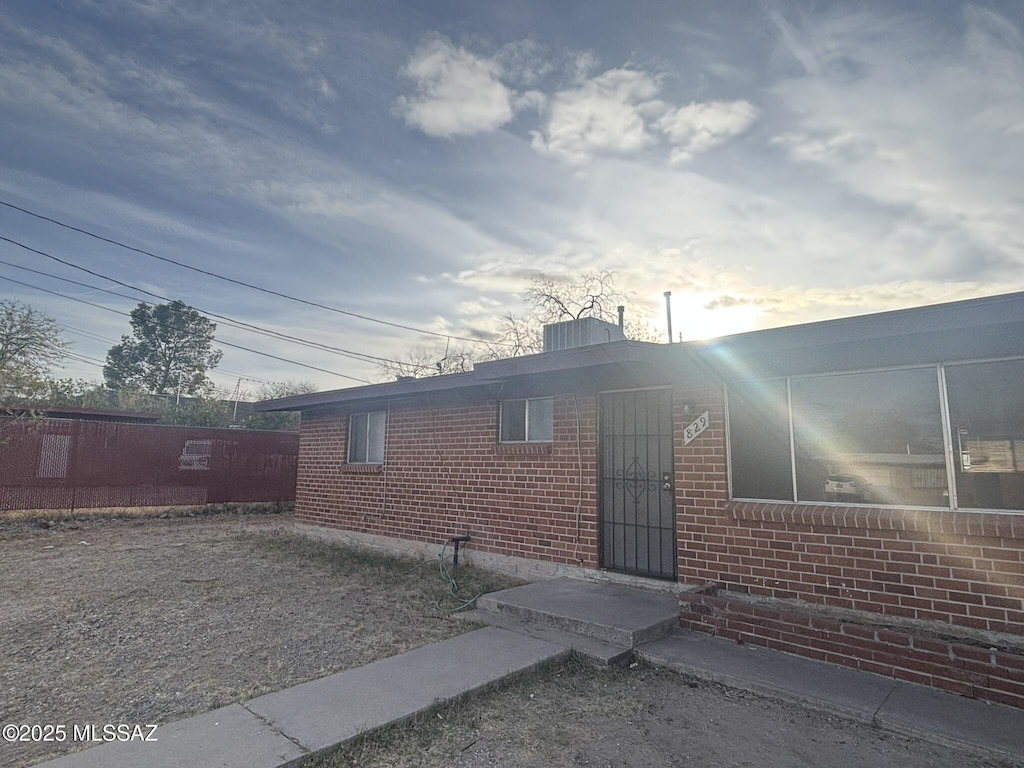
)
(221, 342)
(361, 356)
(94, 337)
(252, 286)
(92, 360)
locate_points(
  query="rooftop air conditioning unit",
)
(580, 333)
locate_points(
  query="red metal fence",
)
(67, 465)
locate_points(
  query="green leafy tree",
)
(30, 343)
(170, 350)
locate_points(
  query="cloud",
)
(524, 62)
(698, 127)
(728, 302)
(917, 120)
(605, 114)
(457, 92)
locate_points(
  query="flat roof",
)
(991, 326)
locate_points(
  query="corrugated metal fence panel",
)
(57, 464)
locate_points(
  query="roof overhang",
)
(974, 329)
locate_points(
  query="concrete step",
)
(615, 615)
(595, 651)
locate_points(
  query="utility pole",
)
(238, 389)
(668, 313)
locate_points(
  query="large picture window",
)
(527, 421)
(366, 435)
(986, 416)
(866, 438)
(887, 437)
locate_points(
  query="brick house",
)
(849, 490)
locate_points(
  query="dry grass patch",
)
(152, 620)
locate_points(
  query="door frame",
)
(600, 482)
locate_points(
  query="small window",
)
(527, 421)
(366, 433)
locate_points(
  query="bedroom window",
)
(527, 421)
(366, 434)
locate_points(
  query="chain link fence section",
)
(63, 464)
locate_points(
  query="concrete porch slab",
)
(931, 713)
(895, 705)
(593, 650)
(761, 670)
(612, 614)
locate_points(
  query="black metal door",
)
(638, 519)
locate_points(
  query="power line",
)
(361, 356)
(224, 343)
(94, 337)
(248, 285)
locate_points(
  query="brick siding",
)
(923, 595)
(446, 475)
(929, 596)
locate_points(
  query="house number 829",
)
(699, 425)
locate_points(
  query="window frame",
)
(945, 418)
(526, 421)
(368, 458)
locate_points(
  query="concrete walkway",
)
(534, 624)
(282, 728)
(894, 705)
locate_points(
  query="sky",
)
(421, 162)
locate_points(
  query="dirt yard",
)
(576, 715)
(149, 621)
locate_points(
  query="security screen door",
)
(637, 497)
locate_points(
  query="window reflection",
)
(870, 438)
(986, 412)
(759, 441)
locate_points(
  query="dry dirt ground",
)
(149, 621)
(576, 715)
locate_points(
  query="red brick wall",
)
(446, 475)
(929, 596)
(921, 595)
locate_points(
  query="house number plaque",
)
(699, 425)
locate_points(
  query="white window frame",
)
(370, 457)
(526, 416)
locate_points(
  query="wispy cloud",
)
(943, 156)
(697, 128)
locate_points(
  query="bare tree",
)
(30, 343)
(273, 391)
(591, 294)
(551, 300)
(429, 361)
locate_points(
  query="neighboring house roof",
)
(989, 327)
(89, 414)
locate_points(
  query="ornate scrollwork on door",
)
(637, 480)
